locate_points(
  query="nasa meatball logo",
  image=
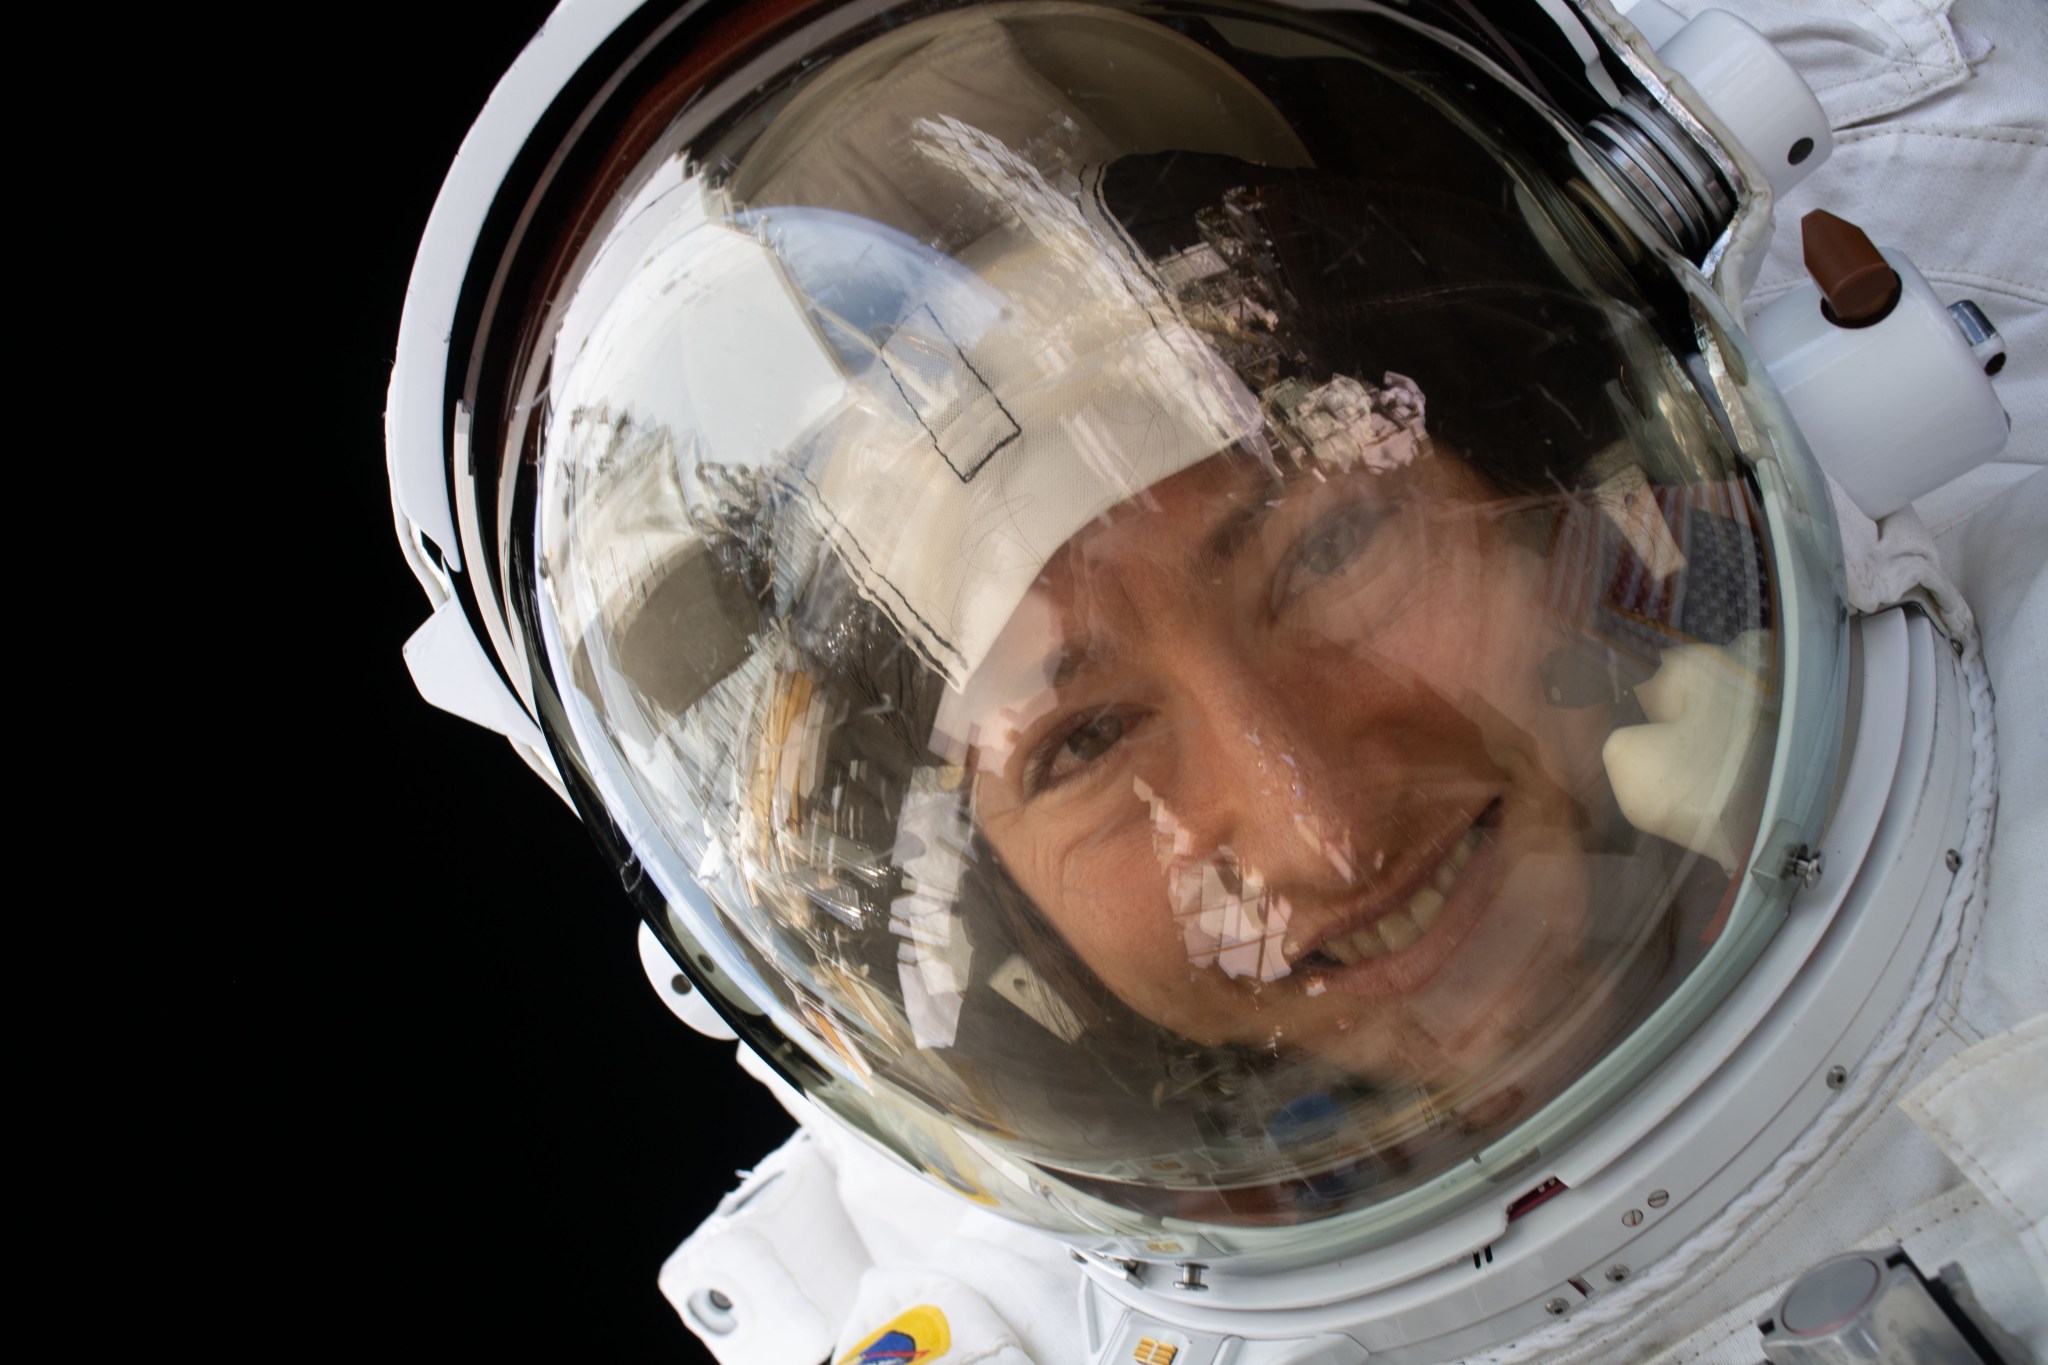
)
(913, 1337)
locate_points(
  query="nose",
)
(1277, 765)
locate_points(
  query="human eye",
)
(1329, 547)
(1074, 746)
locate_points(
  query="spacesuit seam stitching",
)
(2023, 137)
(1889, 95)
(1884, 75)
(1973, 924)
(1909, 61)
(1905, 64)
(1988, 1186)
(2021, 289)
(1961, 1069)
(1905, 67)
(1741, 1327)
(1936, 21)
(1949, 1207)
(1954, 1148)
(1988, 1183)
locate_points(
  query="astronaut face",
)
(1271, 753)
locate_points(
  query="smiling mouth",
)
(1402, 926)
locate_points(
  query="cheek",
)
(1453, 603)
(1495, 612)
(1483, 633)
(1106, 895)
(1521, 963)
(1100, 887)
(1523, 631)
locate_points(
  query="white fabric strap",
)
(1987, 1109)
(1893, 561)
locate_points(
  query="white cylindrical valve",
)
(1891, 394)
(1748, 84)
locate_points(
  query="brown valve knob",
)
(1853, 276)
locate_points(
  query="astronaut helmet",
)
(1185, 615)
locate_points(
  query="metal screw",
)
(1955, 861)
(1838, 1076)
(720, 1301)
(1804, 864)
(1659, 1198)
(1616, 1273)
(1632, 1218)
(1556, 1308)
(1191, 1277)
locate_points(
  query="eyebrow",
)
(1078, 657)
(1231, 534)
(1238, 527)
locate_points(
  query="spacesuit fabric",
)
(1964, 1108)
(1940, 127)
(1940, 122)
(862, 1243)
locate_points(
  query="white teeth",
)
(1465, 847)
(1393, 932)
(1361, 945)
(1461, 853)
(1388, 934)
(1398, 931)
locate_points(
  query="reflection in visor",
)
(1197, 660)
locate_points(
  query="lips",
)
(1399, 928)
(1379, 938)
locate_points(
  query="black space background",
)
(425, 1103)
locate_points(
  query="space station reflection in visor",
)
(827, 428)
(1128, 389)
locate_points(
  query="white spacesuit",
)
(1211, 630)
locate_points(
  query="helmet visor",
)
(1166, 600)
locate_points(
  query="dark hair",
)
(1364, 277)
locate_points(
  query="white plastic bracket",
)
(450, 670)
(683, 999)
